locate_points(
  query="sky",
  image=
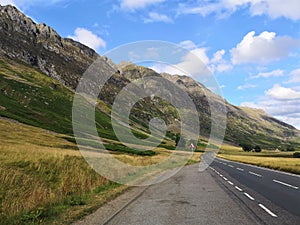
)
(252, 47)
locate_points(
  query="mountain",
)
(39, 71)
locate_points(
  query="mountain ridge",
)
(65, 60)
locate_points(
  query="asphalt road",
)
(225, 193)
(281, 189)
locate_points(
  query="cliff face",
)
(65, 60)
(40, 46)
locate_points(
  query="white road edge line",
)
(255, 174)
(239, 189)
(240, 169)
(262, 168)
(288, 185)
(249, 196)
(229, 182)
(267, 210)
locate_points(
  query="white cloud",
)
(295, 76)
(281, 93)
(218, 63)
(246, 86)
(156, 17)
(188, 44)
(26, 3)
(87, 38)
(274, 73)
(272, 8)
(137, 4)
(276, 8)
(7, 2)
(280, 102)
(196, 62)
(264, 48)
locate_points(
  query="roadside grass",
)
(283, 161)
(45, 180)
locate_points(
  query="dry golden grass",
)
(279, 163)
(39, 170)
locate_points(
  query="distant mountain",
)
(27, 48)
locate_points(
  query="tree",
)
(246, 147)
(257, 148)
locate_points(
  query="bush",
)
(290, 149)
(296, 155)
(257, 148)
(246, 147)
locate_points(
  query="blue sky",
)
(251, 46)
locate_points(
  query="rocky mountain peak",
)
(40, 46)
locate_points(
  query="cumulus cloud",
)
(196, 62)
(281, 93)
(274, 73)
(156, 17)
(280, 102)
(193, 63)
(218, 63)
(272, 8)
(88, 38)
(134, 4)
(264, 48)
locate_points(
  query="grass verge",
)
(283, 161)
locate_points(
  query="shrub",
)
(296, 155)
(246, 147)
(290, 149)
(257, 148)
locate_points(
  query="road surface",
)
(282, 189)
(215, 196)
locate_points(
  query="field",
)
(283, 161)
(45, 180)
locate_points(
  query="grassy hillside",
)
(30, 97)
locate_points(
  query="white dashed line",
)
(237, 188)
(240, 169)
(229, 182)
(231, 166)
(249, 196)
(221, 175)
(288, 185)
(225, 178)
(255, 174)
(225, 163)
(267, 210)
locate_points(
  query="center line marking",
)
(267, 210)
(240, 169)
(255, 174)
(249, 196)
(288, 185)
(225, 178)
(239, 189)
(229, 182)
(231, 166)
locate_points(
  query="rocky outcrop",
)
(40, 46)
